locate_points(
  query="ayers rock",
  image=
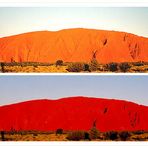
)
(74, 45)
(74, 113)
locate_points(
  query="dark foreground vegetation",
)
(60, 66)
(60, 135)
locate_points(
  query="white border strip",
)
(74, 74)
(67, 144)
(72, 1)
(74, 4)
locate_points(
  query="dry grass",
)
(37, 137)
(139, 69)
(139, 137)
(63, 137)
(63, 69)
(38, 69)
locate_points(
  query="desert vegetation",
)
(61, 135)
(65, 67)
(33, 67)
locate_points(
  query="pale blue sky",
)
(21, 88)
(16, 20)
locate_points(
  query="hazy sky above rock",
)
(22, 88)
(16, 20)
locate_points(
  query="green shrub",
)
(2, 67)
(76, 136)
(86, 67)
(111, 135)
(75, 67)
(3, 135)
(87, 136)
(59, 131)
(140, 63)
(93, 65)
(112, 67)
(59, 63)
(94, 133)
(124, 67)
(139, 132)
(124, 135)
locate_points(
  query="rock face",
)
(74, 45)
(74, 113)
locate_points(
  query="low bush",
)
(59, 63)
(138, 63)
(124, 135)
(94, 65)
(112, 67)
(94, 133)
(59, 131)
(111, 135)
(76, 136)
(87, 136)
(3, 135)
(75, 67)
(86, 67)
(139, 132)
(2, 67)
(124, 67)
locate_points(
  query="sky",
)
(18, 88)
(17, 20)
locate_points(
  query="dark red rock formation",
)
(74, 113)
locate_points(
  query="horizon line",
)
(70, 97)
(72, 28)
